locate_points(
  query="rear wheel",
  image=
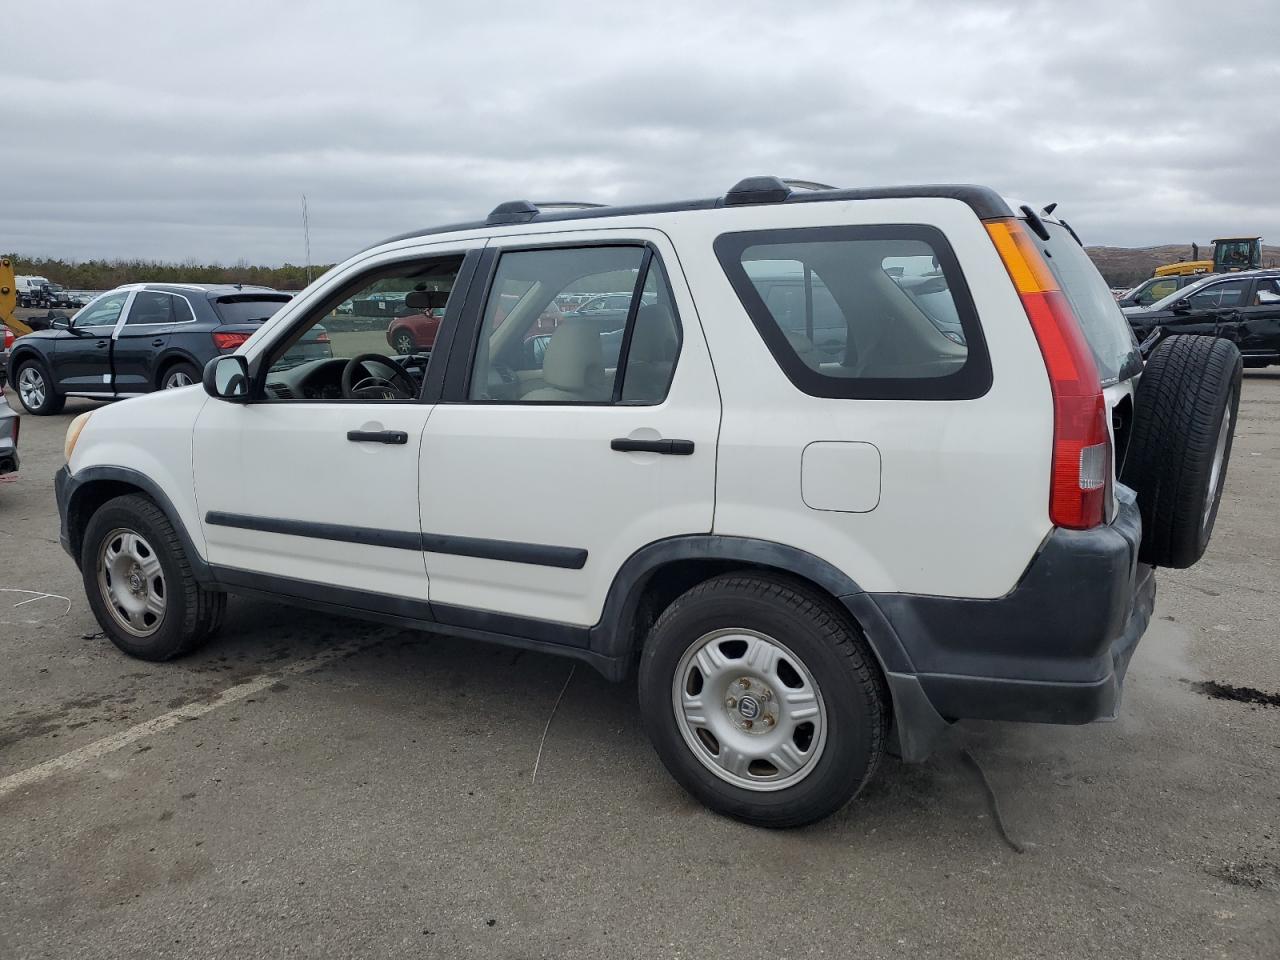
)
(1183, 426)
(179, 375)
(762, 700)
(140, 585)
(403, 343)
(35, 389)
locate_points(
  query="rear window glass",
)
(248, 309)
(862, 312)
(1105, 327)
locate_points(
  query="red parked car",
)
(415, 332)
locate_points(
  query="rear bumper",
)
(1055, 649)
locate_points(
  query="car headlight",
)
(73, 433)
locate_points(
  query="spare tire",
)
(1180, 443)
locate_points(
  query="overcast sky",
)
(177, 130)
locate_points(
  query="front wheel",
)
(762, 700)
(35, 390)
(140, 584)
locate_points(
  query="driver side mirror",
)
(1181, 306)
(227, 378)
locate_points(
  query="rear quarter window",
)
(867, 312)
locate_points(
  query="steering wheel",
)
(400, 386)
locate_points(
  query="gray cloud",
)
(165, 131)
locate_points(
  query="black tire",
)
(1189, 386)
(52, 402)
(179, 370)
(191, 615)
(841, 665)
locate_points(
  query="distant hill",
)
(1126, 266)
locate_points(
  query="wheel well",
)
(86, 502)
(168, 363)
(20, 354)
(672, 579)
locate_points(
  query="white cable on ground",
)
(543, 742)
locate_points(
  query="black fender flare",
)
(613, 637)
(70, 493)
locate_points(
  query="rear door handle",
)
(675, 448)
(157, 342)
(102, 344)
(377, 436)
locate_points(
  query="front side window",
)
(103, 312)
(150, 308)
(369, 353)
(1157, 291)
(1228, 293)
(875, 312)
(616, 348)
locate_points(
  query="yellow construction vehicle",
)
(9, 300)
(1229, 255)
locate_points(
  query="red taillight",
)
(229, 341)
(1080, 483)
(8, 338)
(322, 338)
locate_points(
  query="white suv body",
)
(919, 518)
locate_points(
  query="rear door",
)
(82, 358)
(139, 340)
(544, 469)
(1257, 334)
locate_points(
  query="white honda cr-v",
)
(841, 467)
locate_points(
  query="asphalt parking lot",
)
(314, 787)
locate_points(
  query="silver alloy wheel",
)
(31, 387)
(177, 379)
(404, 344)
(1219, 455)
(131, 582)
(749, 709)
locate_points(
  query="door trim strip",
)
(510, 551)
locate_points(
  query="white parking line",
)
(99, 748)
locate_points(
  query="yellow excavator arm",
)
(9, 300)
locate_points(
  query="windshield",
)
(1104, 325)
(249, 308)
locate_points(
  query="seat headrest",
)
(573, 360)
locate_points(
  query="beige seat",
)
(573, 366)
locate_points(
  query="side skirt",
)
(543, 636)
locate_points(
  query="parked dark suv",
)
(142, 337)
(1241, 307)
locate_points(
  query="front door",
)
(82, 356)
(1212, 309)
(550, 460)
(312, 486)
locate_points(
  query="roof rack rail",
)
(768, 190)
(807, 184)
(522, 211)
(567, 204)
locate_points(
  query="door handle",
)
(675, 448)
(157, 342)
(102, 344)
(377, 436)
